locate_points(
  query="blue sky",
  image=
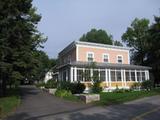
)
(64, 21)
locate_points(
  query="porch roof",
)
(108, 65)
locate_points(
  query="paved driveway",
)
(38, 105)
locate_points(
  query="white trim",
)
(125, 83)
(87, 55)
(106, 76)
(103, 57)
(105, 48)
(136, 75)
(109, 77)
(117, 59)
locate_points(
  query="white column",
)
(91, 74)
(148, 74)
(109, 77)
(71, 74)
(141, 75)
(75, 73)
(66, 75)
(136, 75)
(99, 74)
(106, 76)
(124, 78)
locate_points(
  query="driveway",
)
(38, 105)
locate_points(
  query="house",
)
(112, 65)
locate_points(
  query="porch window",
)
(95, 75)
(87, 75)
(132, 76)
(90, 57)
(79, 75)
(113, 76)
(102, 76)
(127, 76)
(143, 76)
(138, 76)
(118, 75)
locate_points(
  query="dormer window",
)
(90, 56)
(105, 58)
(120, 59)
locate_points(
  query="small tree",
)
(147, 85)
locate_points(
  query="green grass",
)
(9, 103)
(117, 98)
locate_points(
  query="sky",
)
(64, 21)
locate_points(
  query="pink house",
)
(112, 65)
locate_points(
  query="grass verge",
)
(117, 98)
(9, 103)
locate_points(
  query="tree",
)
(19, 40)
(136, 37)
(97, 36)
(153, 56)
(117, 43)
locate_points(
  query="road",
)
(39, 105)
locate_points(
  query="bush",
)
(136, 86)
(51, 84)
(40, 84)
(96, 88)
(147, 85)
(62, 93)
(75, 88)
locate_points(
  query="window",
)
(118, 74)
(79, 75)
(119, 59)
(138, 76)
(143, 76)
(87, 75)
(95, 75)
(113, 76)
(132, 76)
(127, 76)
(105, 58)
(90, 57)
(102, 75)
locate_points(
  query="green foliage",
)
(19, 41)
(96, 88)
(51, 84)
(97, 36)
(41, 84)
(136, 36)
(75, 88)
(117, 90)
(62, 93)
(147, 85)
(117, 43)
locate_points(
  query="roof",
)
(74, 43)
(108, 65)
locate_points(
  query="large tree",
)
(19, 39)
(97, 36)
(153, 56)
(136, 36)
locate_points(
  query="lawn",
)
(9, 103)
(117, 98)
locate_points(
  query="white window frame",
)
(103, 58)
(88, 55)
(121, 57)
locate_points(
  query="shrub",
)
(62, 93)
(96, 88)
(77, 88)
(147, 85)
(136, 86)
(42, 84)
(51, 84)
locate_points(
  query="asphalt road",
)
(38, 105)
